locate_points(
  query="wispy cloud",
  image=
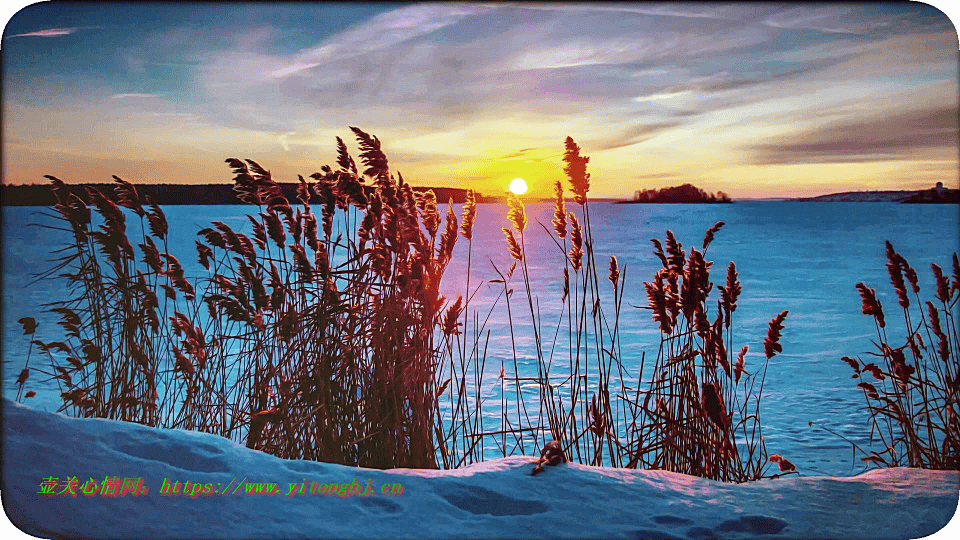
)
(634, 135)
(894, 135)
(136, 95)
(53, 32)
(689, 11)
(661, 96)
(391, 29)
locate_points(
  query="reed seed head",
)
(771, 345)
(658, 251)
(739, 368)
(943, 285)
(708, 237)
(448, 239)
(513, 245)
(576, 170)
(451, 324)
(731, 292)
(657, 297)
(29, 325)
(870, 305)
(677, 257)
(895, 269)
(956, 273)
(576, 237)
(517, 213)
(614, 276)
(469, 215)
(559, 212)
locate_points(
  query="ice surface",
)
(493, 499)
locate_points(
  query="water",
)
(801, 257)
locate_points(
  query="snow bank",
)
(493, 499)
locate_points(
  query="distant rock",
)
(686, 193)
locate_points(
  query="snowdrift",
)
(490, 500)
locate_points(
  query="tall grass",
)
(697, 413)
(913, 389)
(701, 411)
(312, 339)
(322, 334)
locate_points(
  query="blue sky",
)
(752, 99)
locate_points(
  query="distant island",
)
(174, 194)
(685, 194)
(935, 195)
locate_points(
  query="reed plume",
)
(870, 304)
(895, 269)
(517, 214)
(708, 237)
(469, 215)
(614, 276)
(559, 213)
(576, 238)
(771, 345)
(514, 247)
(576, 170)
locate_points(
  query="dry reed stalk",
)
(270, 351)
(914, 416)
(695, 418)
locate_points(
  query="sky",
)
(756, 100)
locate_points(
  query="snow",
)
(493, 499)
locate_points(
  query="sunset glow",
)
(758, 100)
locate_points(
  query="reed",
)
(913, 390)
(314, 339)
(321, 334)
(700, 413)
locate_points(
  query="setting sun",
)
(518, 186)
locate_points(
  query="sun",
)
(518, 186)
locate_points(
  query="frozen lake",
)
(801, 257)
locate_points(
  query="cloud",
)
(661, 96)
(634, 135)
(283, 140)
(928, 132)
(523, 152)
(136, 95)
(391, 30)
(53, 32)
(855, 20)
(703, 11)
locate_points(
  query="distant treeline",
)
(169, 194)
(935, 195)
(687, 193)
